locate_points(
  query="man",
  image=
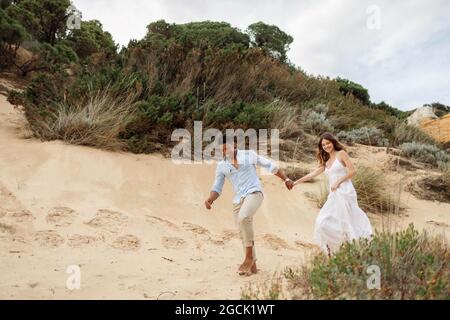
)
(239, 167)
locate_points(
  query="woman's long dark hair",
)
(321, 155)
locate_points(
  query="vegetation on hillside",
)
(426, 153)
(177, 74)
(411, 265)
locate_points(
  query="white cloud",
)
(405, 63)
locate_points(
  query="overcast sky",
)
(399, 50)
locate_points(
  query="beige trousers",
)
(243, 213)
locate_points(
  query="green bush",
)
(44, 91)
(403, 133)
(412, 265)
(366, 135)
(90, 38)
(347, 113)
(425, 153)
(315, 122)
(16, 98)
(242, 115)
(12, 33)
(357, 90)
(270, 38)
(390, 110)
(45, 20)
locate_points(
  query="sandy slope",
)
(136, 223)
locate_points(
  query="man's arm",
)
(280, 174)
(212, 197)
(216, 189)
(288, 182)
(271, 166)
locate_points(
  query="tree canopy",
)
(198, 34)
(90, 39)
(45, 20)
(357, 90)
(270, 38)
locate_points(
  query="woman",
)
(340, 218)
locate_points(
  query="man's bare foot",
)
(241, 269)
(254, 269)
(247, 267)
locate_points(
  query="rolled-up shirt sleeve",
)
(219, 181)
(269, 165)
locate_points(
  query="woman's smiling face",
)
(327, 145)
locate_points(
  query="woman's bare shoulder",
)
(342, 154)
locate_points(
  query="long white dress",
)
(340, 219)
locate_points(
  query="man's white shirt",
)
(244, 179)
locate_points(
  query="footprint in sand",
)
(6, 231)
(128, 242)
(305, 245)
(61, 216)
(230, 234)
(153, 219)
(217, 241)
(20, 216)
(194, 228)
(275, 242)
(5, 228)
(108, 220)
(223, 238)
(173, 242)
(8, 200)
(79, 240)
(48, 238)
(438, 224)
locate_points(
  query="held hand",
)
(208, 204)
(289, 184)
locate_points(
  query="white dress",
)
(340, 218)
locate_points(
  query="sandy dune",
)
(136, 224)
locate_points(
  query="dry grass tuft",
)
(295, 173)
(95, 121)
(373, 193)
